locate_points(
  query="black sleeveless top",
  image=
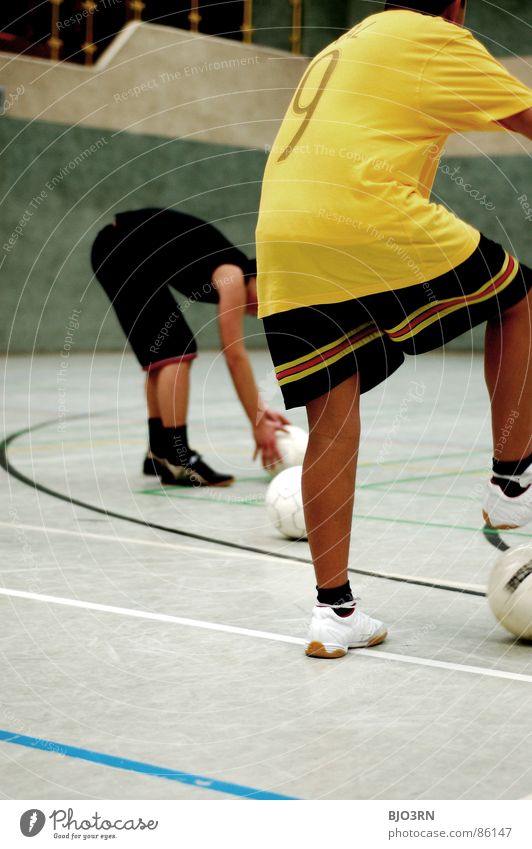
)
(178, 249)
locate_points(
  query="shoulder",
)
(459, 45)
(408, 39)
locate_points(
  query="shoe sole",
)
(498, 527)
(186, 482)
(317, 649)
(167, 478)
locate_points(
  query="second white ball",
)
(284, 503)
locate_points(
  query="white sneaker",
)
(503, 513)
(331, 635)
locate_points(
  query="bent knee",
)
(522, 308)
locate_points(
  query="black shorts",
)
(147, 310)
(316, 348)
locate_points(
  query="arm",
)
(229, 281)
(520, 123)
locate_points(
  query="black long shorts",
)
(316, 348)
(147, 311)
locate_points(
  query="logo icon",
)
(32, 822)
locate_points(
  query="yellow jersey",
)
(345, 207)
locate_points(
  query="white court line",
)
(53, 458)
(376, 654)
(221, 553)
(152, 543)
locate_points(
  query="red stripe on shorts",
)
(466, 300)
(326, 356)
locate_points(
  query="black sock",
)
(177, 450)
(336, 596)
(510, 488)
(156, 437)
(512, 468)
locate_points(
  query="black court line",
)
(494, 538)
(6, 464)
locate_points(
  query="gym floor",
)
(152, 637)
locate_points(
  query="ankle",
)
(513, 477)
(339, 598)
(156, 437)
(511, 468)
(177, 448)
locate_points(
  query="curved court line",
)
(466, 589)
(374, 653)
(494, 538)
(470, 589)
(11, 470)
(139, 766)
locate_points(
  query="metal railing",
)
(77, 30)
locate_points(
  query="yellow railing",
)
(54, 42)
(194, 16)
(134, 10)
(247, 23)
(297, 19)
(89, 48)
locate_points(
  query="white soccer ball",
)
(292, 444)
(510, 591)
(284, 503)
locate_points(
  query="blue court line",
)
(138, 766)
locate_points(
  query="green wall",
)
(47, 273)
(323, 22)
(272, 23)
(505, 28)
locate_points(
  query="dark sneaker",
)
(194, 473)
(152, 465)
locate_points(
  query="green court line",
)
(258, 502)
(172, 493)
(421, 478)
(389, 519)
(107, 430)
(413, 460)
(430, 494)
(396, 521)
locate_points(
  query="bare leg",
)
(151, 396)
(167, 393)
(508, 370)
(328, 484)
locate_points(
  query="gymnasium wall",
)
(504, 27)
(59, 206)
(164, 118)
(162, 81)
(322, 23)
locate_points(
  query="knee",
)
(334, 434)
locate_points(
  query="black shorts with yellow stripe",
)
(316, 348)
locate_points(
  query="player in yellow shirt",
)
(358, 267)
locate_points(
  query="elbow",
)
(234, 358)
